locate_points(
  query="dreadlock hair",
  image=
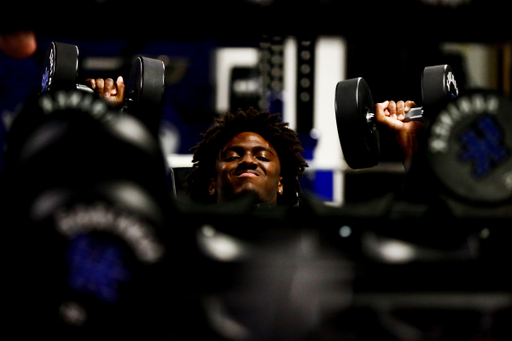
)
(283, 139)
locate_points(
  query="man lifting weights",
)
(254, 152)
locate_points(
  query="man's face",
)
(247, 163)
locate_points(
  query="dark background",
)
(388, 43)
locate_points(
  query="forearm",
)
(391, 115)
(409, 145)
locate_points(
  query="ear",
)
(212, 188)
(280, 186)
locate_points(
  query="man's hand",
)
(391, 114)
(19, 44)
(113, 93)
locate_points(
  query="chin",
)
(258, 198)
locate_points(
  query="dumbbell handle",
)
(82, 87)
(414, 114)
(85, 88)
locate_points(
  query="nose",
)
(248, 162)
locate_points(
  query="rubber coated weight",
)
(88, 188)
(357, 126)
(145, 90)
(438, 86)
(356, 121)
(60, 67)
(145, 86)
(469, 147)
(147, 82)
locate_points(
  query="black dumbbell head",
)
(145, 90)
(73, 136)
(88, 216)
(438, 87)
(469, 148)
(60, 67)
(93, 260)
(356, 123)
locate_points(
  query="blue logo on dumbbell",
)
(46, 79)
(483, 146)
(96, 267)
(47, 76)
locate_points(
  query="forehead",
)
(248, 140)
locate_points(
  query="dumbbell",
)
(93, 227)
(468, 149)
(356, 121)
(144, 88)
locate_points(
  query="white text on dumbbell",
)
(454, 112)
